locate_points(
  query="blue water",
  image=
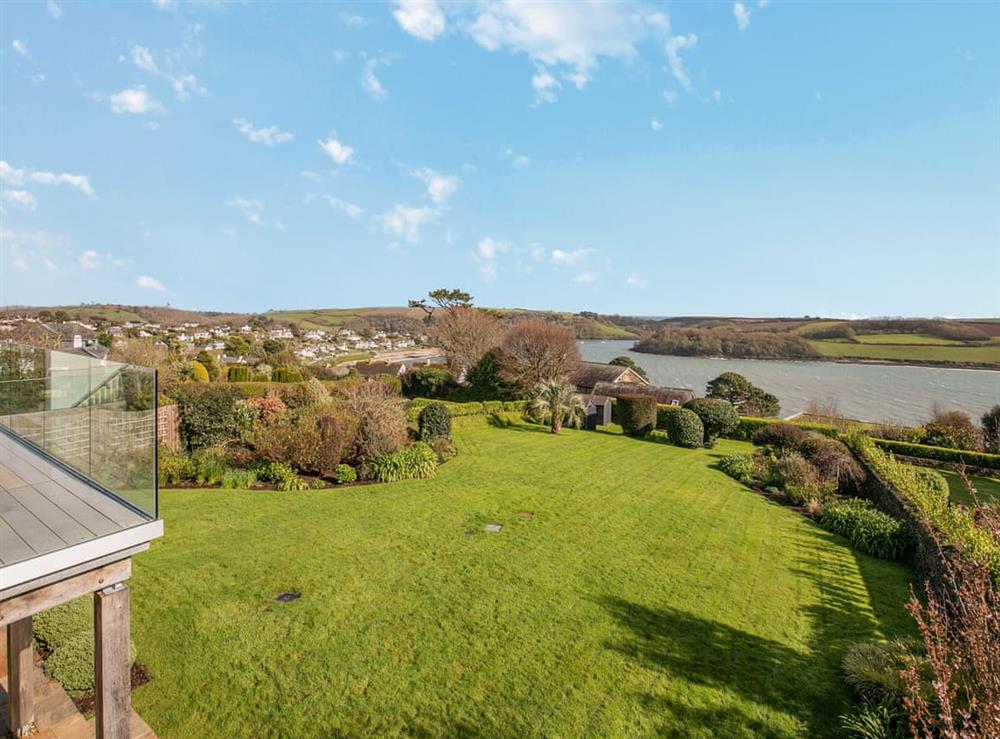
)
(869, 392)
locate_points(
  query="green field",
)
(906, 339)
(987, 488)
(647, 594)
(333, 318)
(986, 354)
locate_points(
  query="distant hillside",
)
(121, 313)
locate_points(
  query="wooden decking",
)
(45, 508)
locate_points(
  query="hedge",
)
(637, 414)
(457, 410)
(868, 529)
(684, 428)
(747, 425)
(717, 416)
(434, 421)
(940, 453)
(239, 374)
(286, 374)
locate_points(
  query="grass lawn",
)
(985, 354)
(649, 594)
(911, 339)
(987, 488)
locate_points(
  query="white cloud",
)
(250, 208)
(135, 100)
(150, 283)
(183, 85)
(486, 254)
(23, 248)
(352, 210)
(422, 19)
(522, 161)
(585, 278)
(634, 280)
(16, 176)
(354, 21)
(266, 136)
(569, 258)
(88, 260)
(655, 124)
(670, 96)
(717, 97)
(53, 9)
(370, 82)
(674, 46)
(339, 152)
(405, 221)
(20, 198)
(440, 187)
(164, 4)
(742, 13)
(545, 86)
(21, 47)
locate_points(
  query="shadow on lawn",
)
(804, 684)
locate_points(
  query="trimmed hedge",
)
(747, 425)
(940, 453)
(637, 414)
(286, 374)
(434, 422)
(956, 524)
(717, 416)
(458, 410)
(684, 428)
(239, 373)
(663, 413)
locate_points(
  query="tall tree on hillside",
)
(446, 299)
(555, 403)
(465, 334)
(533, 351)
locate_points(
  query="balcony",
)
(78, 498)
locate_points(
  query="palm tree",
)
(554, 402)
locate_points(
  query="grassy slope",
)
(328, 318)
(649, 594)
(908, 339)
(987, 488)
(989, 353)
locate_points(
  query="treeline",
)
(726, 342)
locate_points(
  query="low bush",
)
(663, 414)
(832, 459)
(868, 530)
(344, 473)
(280, 474)
(444, 449)
(684, 428)
(876, 721)
(873, 670)
(717, 416)
(56, 626)
(434, 422)
(239, 373)
(637, 414)
(909, 434)
(286, 374)
(195, 371)
(207, 414)
(935, 483)
(415, 461)
(781, 436)
(174, 468)
(235, 479)
(311, 439)
(953, 429)
(428, 382)
(739, 466)
(956, 524)
(940, 454)
(459, 410)
(210, 466)
(747, 425)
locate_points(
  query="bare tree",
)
(533, 351)
(465, 334)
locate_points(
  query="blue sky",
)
(748, 158)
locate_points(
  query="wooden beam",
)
(22, 606)
(113, 688)
(20, 677)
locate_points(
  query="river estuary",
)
(870, 392)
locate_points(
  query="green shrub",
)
(280, 474)
(207, 414)
(173, 467)
(637, 414)
(935, 483)
(781, 436)
(876, 721)
(957, 524)
(195, 371)
(748, 425)
(940, 454)
(872, 669)
(684, 428)
(286, 374)
(458, 410)
(210, 466)
(292, 483)
(717, 416)
(434, 421)
(415, 461)
(739, 466)
(869, 530)
(238, 373)
(72, 663)
(663, 413)
(428, 382)
(344, 473)
(233, 479)
(56, 626)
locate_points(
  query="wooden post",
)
(113, 668)
(20, 677)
